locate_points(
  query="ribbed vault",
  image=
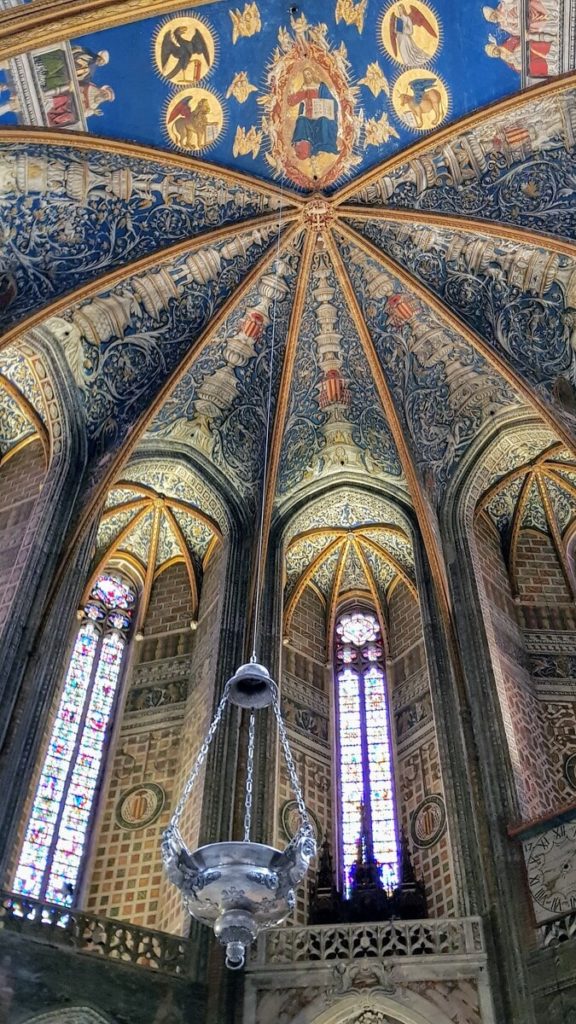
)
(539, 496)
(404, 315)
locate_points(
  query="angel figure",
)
(375, 80)
(247, 141)
(240, 87)
(402, 24)
(245, 23)
(377, 132)
(351, 13)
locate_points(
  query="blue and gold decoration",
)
(312, 98)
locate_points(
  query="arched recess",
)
(165, 523)
(26, 687)
(482, 758)
(512, 522)
(377, 1006)
(45, 384)
(70, 1015)
(24, 457)
(352, 547)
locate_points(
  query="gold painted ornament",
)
(184, 50)
(375, 80)
(240, 87)
(420, 100)
(410, 33)
(194, 119)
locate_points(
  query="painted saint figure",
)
(316, 128)
(86, 61)
(404, 18)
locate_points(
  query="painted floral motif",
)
(443, 390)
(14, 425)
(335, 423)
(122, 345)
(219, 406)
(517, 168)
(522, 300)
(68, 216)
(347, 508)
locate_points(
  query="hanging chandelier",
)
(239, 888)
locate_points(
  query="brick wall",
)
(192, 729)
(539, 575)
(308, 627)
(306, 703)
(21, 479)
(127, 877)
(418, 771)
(523, 715)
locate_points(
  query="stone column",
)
(484, 787)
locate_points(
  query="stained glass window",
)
(366, 781)
(55, 839)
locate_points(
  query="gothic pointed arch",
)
(70, 1015)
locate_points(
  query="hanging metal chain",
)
(249, 777)
(306, 823)
(201, 757)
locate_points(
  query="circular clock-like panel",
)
(551, 865)
(428, 822)
(570, 771)
(290, 820)
(140, 805)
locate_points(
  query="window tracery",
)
(367, 812)
(56, 833)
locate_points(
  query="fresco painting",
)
(410, 33)
(539, 56)
(309, 98)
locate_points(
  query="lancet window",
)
(366, 797)
(56, 833)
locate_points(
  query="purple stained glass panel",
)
(364, 745)
(357, 628)
(57, 828)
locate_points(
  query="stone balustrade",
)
(95, 936)
(390, 970)
(438, 937)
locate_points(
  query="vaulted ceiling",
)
(393, 285)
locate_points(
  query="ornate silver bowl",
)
(238, 888)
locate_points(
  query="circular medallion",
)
(290, 820)
(428, 822)
(140, 806)
(420, 100)
(194, 120)
(184, 50)
(570, 771)
(410, 33)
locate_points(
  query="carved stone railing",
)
(95, 936)
(554, 932)
(446, 937)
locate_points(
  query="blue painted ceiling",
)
(387, 73)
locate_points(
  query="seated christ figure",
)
(316, 127)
